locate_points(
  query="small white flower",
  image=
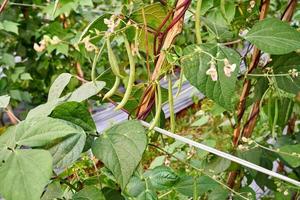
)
(112, 23)
(244, 139)
(88, 45)
(252, 4)
(294, 73)
(228, 68)
(55, 40)
(243, 32)
(39, 48)
(212, 71)
(286, 193)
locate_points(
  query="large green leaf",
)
(121, 148)
(135, 186)
(77, 113)
(274, 36)
(293, 161)
(86, 91)
(89, 193)
(147, 195)
(82, 93)
(282, 65)
(195, 64)
(58, 86)
(188, 184)
(162, 177)
(63, 139)
(154, 14)
(4, 101)
(25, 174)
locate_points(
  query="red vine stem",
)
(3, 5)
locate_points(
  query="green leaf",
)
(218, 30)
(54, 191)
(162, 177)
(4, 101)
(58, 86)
(63, 139)
(282, 64)
(9, 26)
(86, 91)
(204, 184)
(274, 36)
(111, 194)
(77, 113)
(293, 161)
(25, 174)
(217, 165)
(89, 193)
(147, 195)
(154, 14)
(200, 122)
(196, 63)
(82, 93)
(121, 148)
(135, 186)
(96, 25)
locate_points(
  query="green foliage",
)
(121, 148)
(274, 36)
(198, 60)
(25, 173)
(58, 59)
(89, 192)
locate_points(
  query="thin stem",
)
(199, 170)
(198, 22)
(96, 58)
(26, 5)
(146, 43)
(165, 194)
(171, 104)
(268, 75)
(3, 5)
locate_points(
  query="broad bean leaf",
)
(120, 148)
(282, 65)
(9, 26)
(53, 191)
(195, 63)
(77, 113)
(135, 186)
(162, 177)
(274, 36)
(219, 31)
(97, 25)
(4, 101)
(293, 161)
(86, 91)
(147, 195)
(24, 174)
(154, 14)
(58, 86)
(187, 185)
(64, 140)
(89, 193)
(82, 93)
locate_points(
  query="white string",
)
(223, 155)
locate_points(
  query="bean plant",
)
(60, 60)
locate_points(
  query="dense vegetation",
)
(60, 60)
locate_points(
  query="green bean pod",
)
(171, 103)
(131, 75)
(113, 89)
(112, 59)
(158, 101)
